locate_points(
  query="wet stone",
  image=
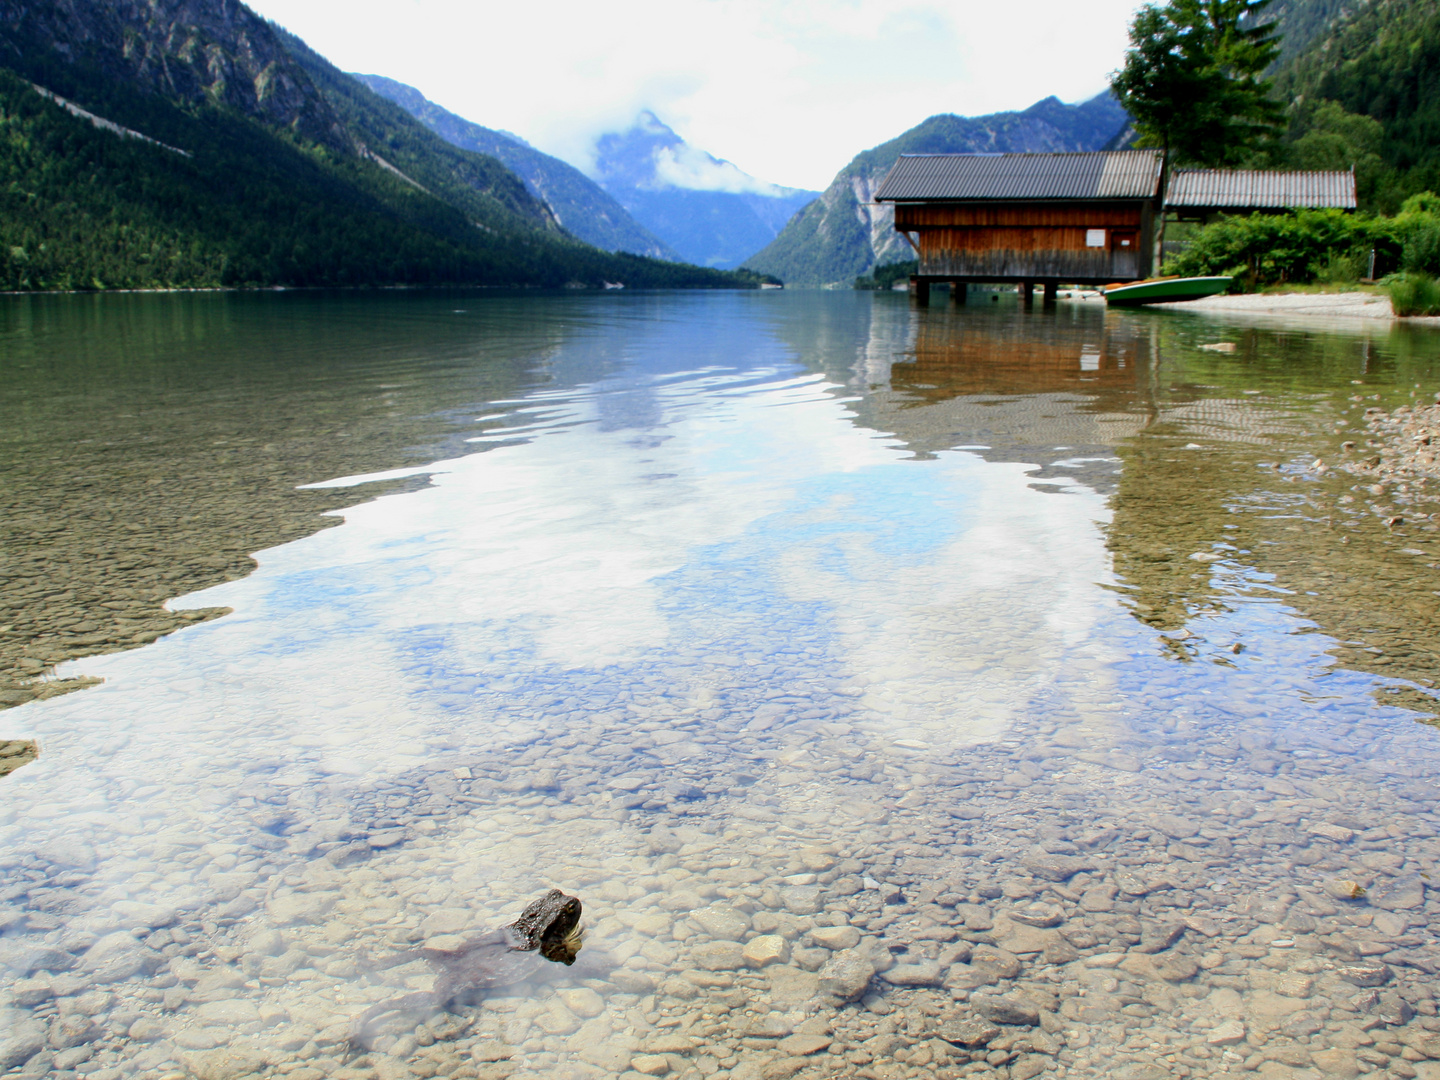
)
(1039, 915)
(723, 923)
(846, 975)
(21, 1038)
(835, 937)
(29, 992)
(1006, 1009)
(928, 973)
(969, 1033)
(1344, 889)
(765, 950)
(1227, 1034)
(1405, 893)
(800, 1045)
(718, 955)
(1362, 973)
(118, 957)
(801, 899)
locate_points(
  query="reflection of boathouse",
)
(1084, 218)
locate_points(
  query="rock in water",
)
(550, 926)
(846, 975)
(970, 1033)
(20, 1038)
(1006, 1009)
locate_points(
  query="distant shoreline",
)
(388, 288)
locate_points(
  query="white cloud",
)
(789, 90)
(689, 167)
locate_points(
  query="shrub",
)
(1422, 249)
(1301, 246)
(1414, 294)
(1341, 269)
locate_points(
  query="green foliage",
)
(82, 208)
(1421, 253)
(1379, 67)
(1302, 21)
(1333, 138)
(1414, 294)
(1193, 80)
(1303, 246)
(886, 275)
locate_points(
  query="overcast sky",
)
(789, 90)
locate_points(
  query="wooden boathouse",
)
(1080, 218)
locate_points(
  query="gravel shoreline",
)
(1351, 305)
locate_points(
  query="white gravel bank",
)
(1358, 305)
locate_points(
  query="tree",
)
(1193, 82)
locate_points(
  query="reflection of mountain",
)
(1204, 456)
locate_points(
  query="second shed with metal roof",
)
(1083, 218)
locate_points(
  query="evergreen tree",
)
(1193, 82)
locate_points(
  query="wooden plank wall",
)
(1015, 264)
(1019, 241)
(1021, 215)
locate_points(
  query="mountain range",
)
(149, 143)
(153, 143)
(844, 233)
(579, 204)
(652, 193)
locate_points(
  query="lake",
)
(903, 692)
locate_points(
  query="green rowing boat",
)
(1167, 290)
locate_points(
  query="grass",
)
(1414, 294)
(1318, 288)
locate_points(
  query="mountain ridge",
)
(581, 206)
(292, 173)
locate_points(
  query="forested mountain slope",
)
(275, 167)
(1366, 92)
(844, 233)
(580, 205)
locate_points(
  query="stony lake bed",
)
(905, 693)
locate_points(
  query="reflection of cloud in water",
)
(950, 638)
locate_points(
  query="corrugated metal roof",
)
(1260, 190)
(1120, 174)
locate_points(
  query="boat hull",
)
(1165, 290)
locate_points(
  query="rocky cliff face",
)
(188, 50)
(844, 234)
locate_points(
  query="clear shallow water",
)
(715, 626)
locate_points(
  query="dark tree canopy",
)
(1193, 80)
